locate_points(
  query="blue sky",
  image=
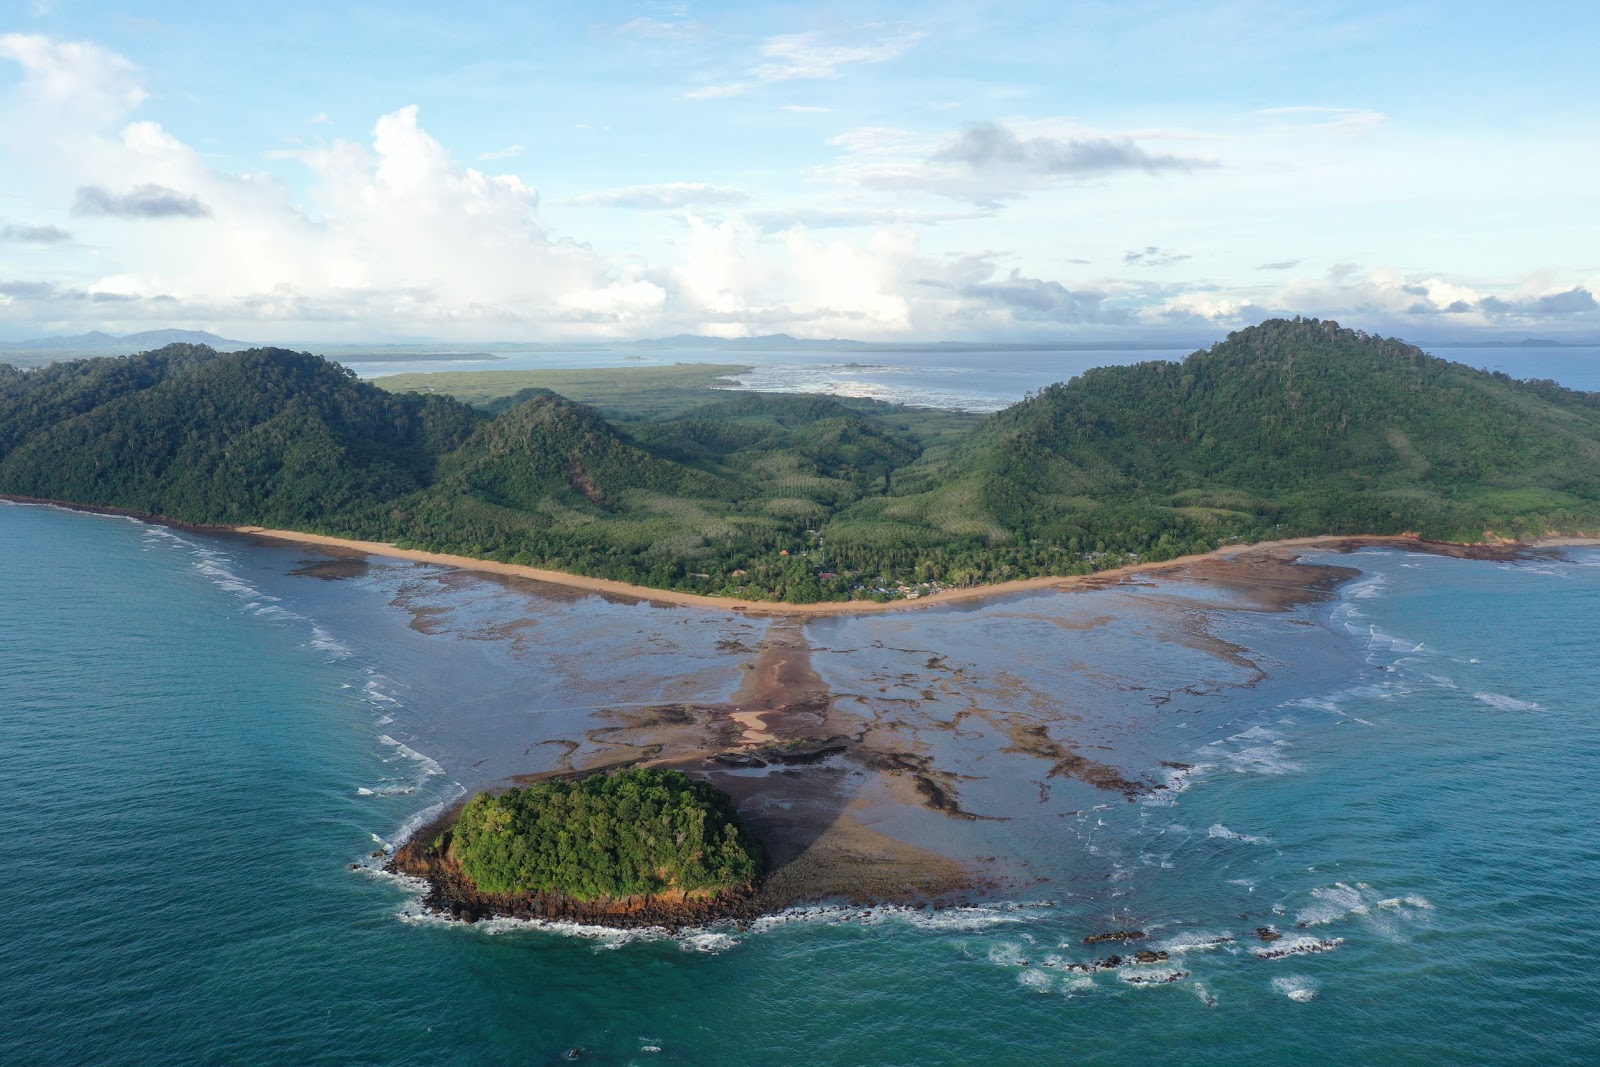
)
(297, 171)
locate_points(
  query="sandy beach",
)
(1493, 550)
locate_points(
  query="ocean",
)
(205, 737)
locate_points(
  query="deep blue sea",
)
(198, 743)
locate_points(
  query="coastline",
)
(834, 772)
(971, 594)
(1497, 550)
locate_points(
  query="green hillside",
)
(1307, 425)
(1289, 428)
(264, 436)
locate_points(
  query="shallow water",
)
(962, 380)
(199, 742)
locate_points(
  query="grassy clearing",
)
(621, 392)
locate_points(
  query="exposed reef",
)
(847, 789)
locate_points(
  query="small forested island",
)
(640, 846)
(1296, 427)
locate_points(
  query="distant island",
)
(1292, 428)
(1526, 342)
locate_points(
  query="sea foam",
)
(218, 567)
(1502, 702)
(429, 765)
(1297, 988)
(1388, 916)
(1257, 750)
(1222, 833)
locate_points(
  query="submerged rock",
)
(1155, 979)
(1110, 963)
(1301, 946)
(738, 759)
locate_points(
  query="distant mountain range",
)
(104, 344)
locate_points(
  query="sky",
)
(1136, 169)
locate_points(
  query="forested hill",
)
(1305, 423)
(263, 436)
(1288, 428)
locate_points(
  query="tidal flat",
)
(941, 757)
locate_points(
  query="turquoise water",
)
(198, 743)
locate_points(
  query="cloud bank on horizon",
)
(886, 172)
